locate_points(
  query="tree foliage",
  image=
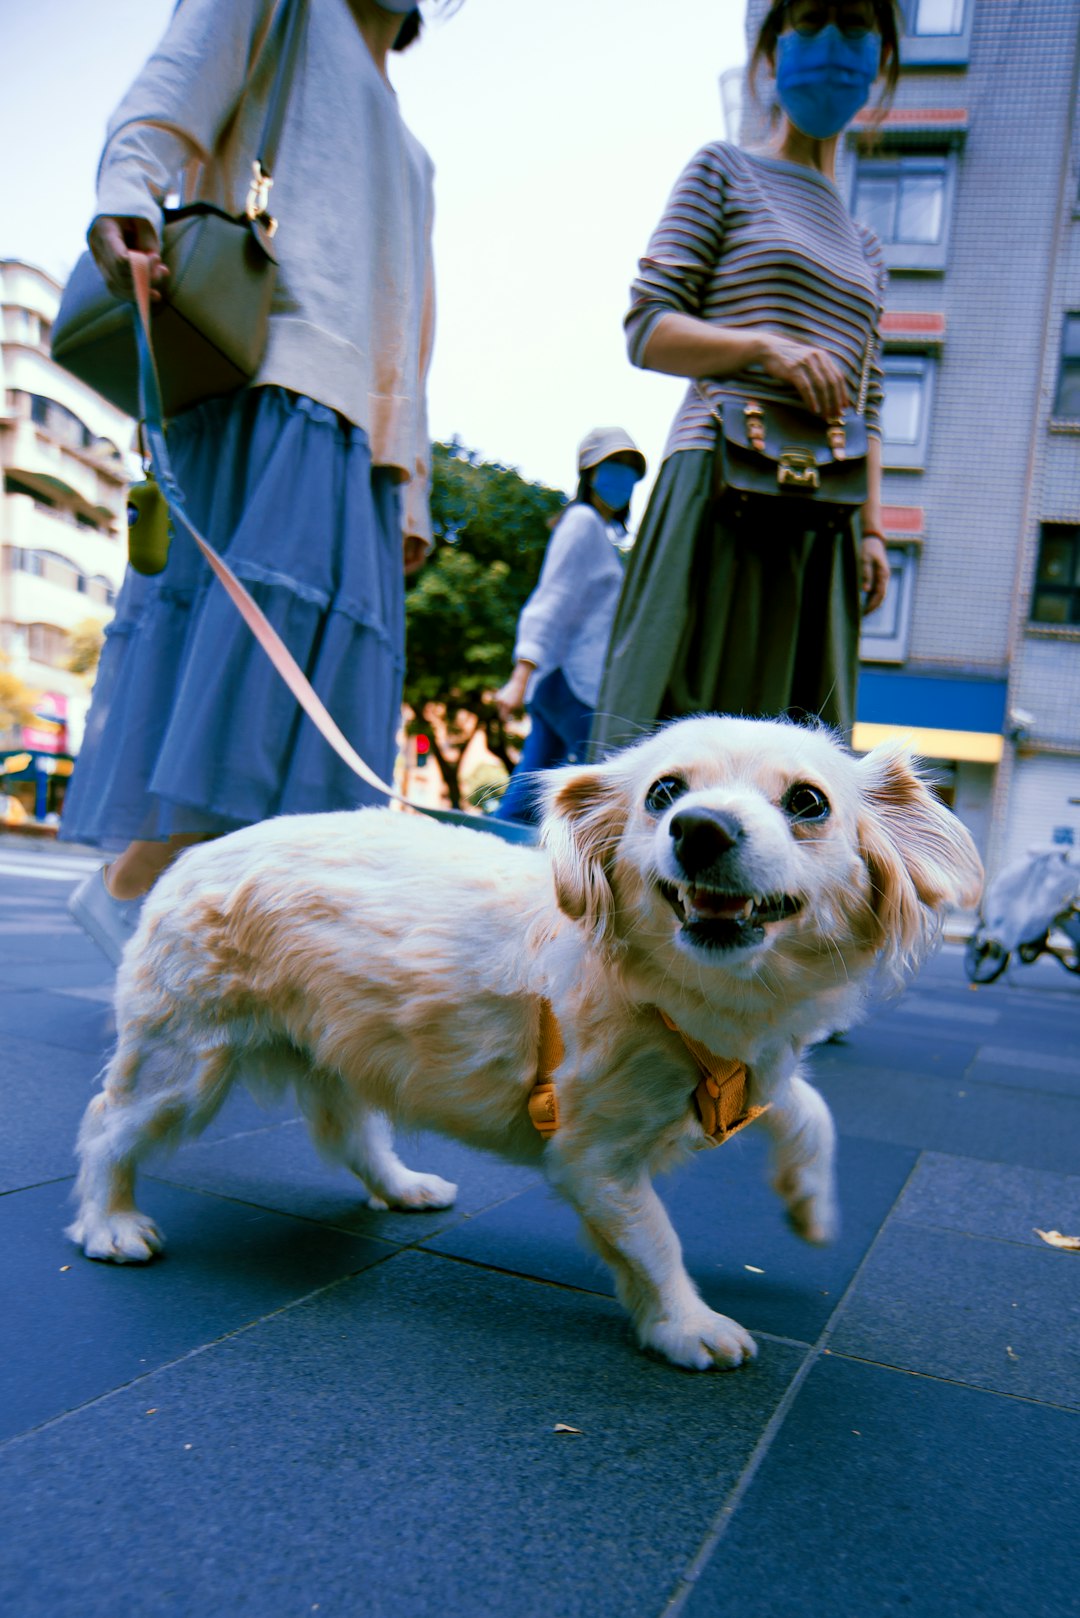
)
(85, 640)
(16, 699)
(492, 528)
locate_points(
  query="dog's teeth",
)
(747, 909)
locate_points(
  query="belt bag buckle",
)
(797, 469)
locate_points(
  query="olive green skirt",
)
(738, 605)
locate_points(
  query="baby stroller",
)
(1021, 909)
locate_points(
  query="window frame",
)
(909, 457)
(918, 256)
(885, 639)
(936, 50)
(1070, 591)
(1056, 413)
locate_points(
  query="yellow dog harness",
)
(720, 1096)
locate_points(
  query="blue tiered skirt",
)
(190, 729)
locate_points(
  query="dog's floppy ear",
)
(920, 857)
(584, 818)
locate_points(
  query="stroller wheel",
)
(984, 960)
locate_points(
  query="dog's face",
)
(736, 842)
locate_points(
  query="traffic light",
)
(423, 750)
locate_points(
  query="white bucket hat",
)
(602, 442)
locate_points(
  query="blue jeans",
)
(559, 733)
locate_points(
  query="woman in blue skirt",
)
(312, 481)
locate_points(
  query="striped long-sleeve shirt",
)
(749, 240)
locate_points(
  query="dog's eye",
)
(803, 803)
(662, 794)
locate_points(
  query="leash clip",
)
(257, 207)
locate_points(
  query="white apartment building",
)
(64, 459)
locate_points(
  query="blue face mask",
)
(823, 79)
(614, 483)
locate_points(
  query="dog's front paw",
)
(412, 1190)
(812, 1210)
(120, 1238)
(816, 1219)
(703, 1341)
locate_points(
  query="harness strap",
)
(720, 1096)
(543, 1097)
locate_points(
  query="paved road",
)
(309, 1407)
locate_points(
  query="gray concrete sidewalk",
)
(309, 1407)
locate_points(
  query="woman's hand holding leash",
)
(112, 241)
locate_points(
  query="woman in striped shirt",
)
(757, 283)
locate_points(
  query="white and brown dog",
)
(724, 886)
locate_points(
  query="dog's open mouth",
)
(721, 920)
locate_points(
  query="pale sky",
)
(557, 128)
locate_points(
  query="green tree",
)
(492, 528)
(85, 640)
(16, 699)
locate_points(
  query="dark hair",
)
(585, 495)
(409, 32)
(887, 17)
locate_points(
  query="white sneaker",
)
(110, 922)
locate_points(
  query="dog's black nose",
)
(703, 836)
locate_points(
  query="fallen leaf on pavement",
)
(1054, 1238)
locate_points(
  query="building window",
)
(885, 633)
(60, 422)
(1056, 598)
(1067, 398)
(937, 33)
(907, 201)
(905, 412)
(47, 643)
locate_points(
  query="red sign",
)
(49, 732)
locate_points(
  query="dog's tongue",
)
(722, 906)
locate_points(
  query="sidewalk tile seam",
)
(714, 1536)
(1044, 1249)
(954, 1382)
(32, 1185)
(265, 1207)
(328, 1224)
(193, 1353)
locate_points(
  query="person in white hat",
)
(563, 630)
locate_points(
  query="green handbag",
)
(211, 324)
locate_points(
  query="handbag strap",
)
(153, 426)
(292, 20)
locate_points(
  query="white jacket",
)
(566, 622)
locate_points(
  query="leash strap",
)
(153, 428)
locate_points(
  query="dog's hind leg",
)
(803, 1159)
(363, 1141)
(154, 1094)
